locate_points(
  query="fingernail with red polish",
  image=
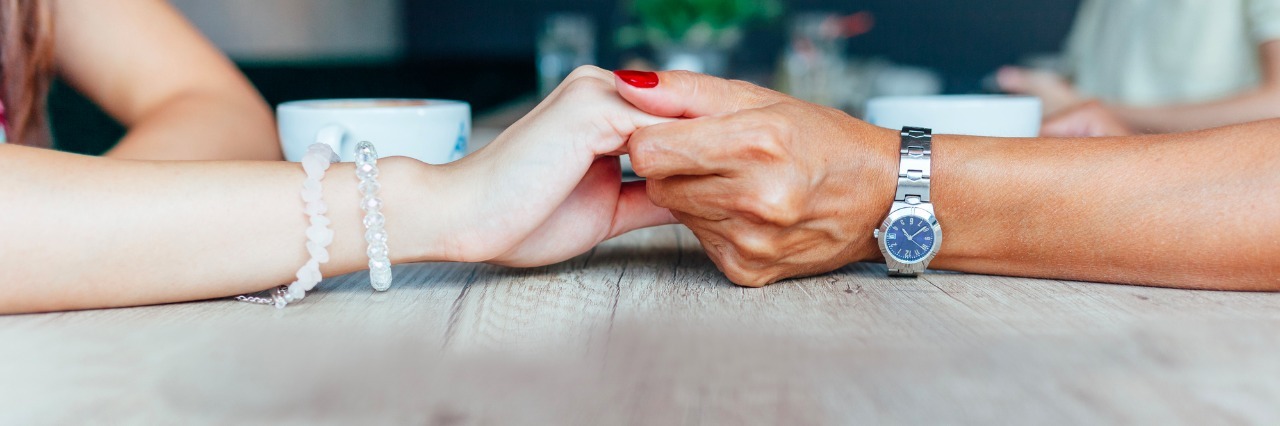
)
(641, 79)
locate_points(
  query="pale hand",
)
(548, 189)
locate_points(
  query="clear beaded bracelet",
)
(374, 222)
(315, 162)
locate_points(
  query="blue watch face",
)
(909, 239)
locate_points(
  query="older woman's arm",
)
(147, 67)
(775, 187)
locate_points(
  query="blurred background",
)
(497, 53)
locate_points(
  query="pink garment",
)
(4, 124)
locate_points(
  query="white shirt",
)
(1159, 52)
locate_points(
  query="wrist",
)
(412, 194)
(876, 183)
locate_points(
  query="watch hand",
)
(917, 244)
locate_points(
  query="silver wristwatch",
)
(910, 235)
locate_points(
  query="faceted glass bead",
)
(366, 171)
(365, 154)
(374, 220)
(369, 186)
(376, 236)
(380, 279)
(371, 204)
(379, 263)
(376, 251)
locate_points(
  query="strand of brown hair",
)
(26, 67)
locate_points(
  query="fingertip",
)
(642, 91)
(684, 94)
(638, 79)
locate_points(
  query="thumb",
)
(685, 94)
(635, 211)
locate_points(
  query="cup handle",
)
(332, 135)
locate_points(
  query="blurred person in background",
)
(142, 63)
(1160, 66)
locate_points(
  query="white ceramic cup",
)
(430, 130)
(976, 115)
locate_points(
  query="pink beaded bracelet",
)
(315, 162)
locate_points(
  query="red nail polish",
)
(641, 79)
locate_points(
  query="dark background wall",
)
(482, 51)
(964, 39)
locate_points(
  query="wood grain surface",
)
(645, 330)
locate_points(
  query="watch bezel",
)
(894, 262)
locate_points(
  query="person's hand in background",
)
(1055, 91)
(773, 187)
(1087, 120)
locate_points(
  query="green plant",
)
(695, 23)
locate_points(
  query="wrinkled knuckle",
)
(765, 137)
(736, 275)
(754, 247)
(584, 72)
(642, 165)
(643, 153)
(759, 147)
(779, 207)
(772, 204)
(658, 194)
(777, 124)
(748, 278)
(582, 89)
(745, 203)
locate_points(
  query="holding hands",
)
(773, 187)
(548, 188)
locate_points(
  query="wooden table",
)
(645, 330)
